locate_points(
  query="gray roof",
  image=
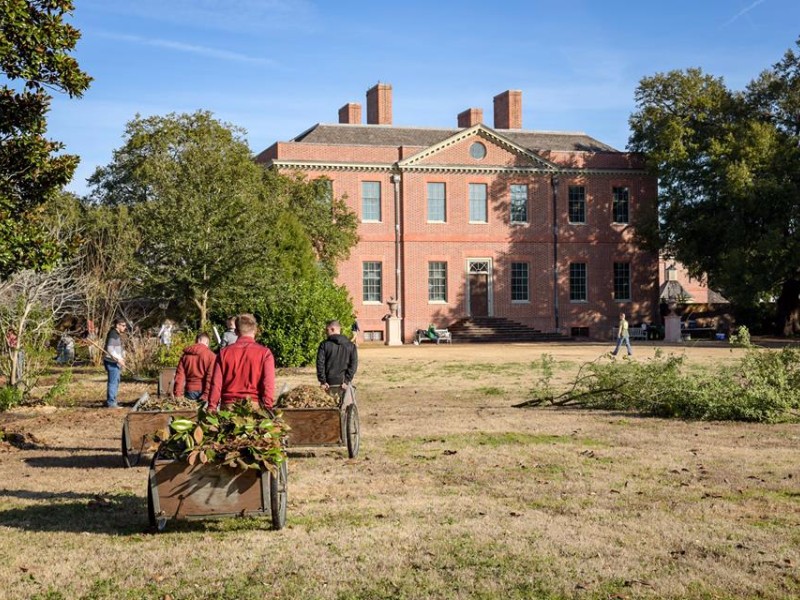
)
(387, 135)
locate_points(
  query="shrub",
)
(292, 323)
(741, 338)
(10, 396)
(169, 356)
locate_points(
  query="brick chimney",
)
(379, 104)
(470, 117)
(350, 113)
(508, 110)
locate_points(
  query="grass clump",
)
(763, 387)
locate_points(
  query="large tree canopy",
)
(217, 233)
(34, 56)
(729, 174)
(194, 190)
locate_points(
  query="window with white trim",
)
(478, 211)
(437, 281)
(620, 206)
(577, 282)
(371, 201)
(577, 204)
(622, 281)
(372, 281)
(519, 203)
(437, 203)
(520, 290)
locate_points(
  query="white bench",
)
(442, 335)
(637, 333)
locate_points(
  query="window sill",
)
(579, 302)
(520, 302)
(440, 302)
(479, 222)
(365, 221)
(371, 302)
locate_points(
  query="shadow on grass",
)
(112, 514)
(91, 461)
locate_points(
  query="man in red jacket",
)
(193, 376)
(245, 369)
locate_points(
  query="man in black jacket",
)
(337, 358)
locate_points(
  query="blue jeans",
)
(193, 395)
(114, 373)
(627, 341)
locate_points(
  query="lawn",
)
(455, 494)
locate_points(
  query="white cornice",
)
(486, 133)
(398, 167)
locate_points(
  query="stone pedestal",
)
(672, 328)
(393, 335)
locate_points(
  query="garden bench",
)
(442, 335)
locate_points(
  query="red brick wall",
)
(598, 242)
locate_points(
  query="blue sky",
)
(276, 67)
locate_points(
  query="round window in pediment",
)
(477, 151)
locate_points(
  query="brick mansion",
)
(480, 222)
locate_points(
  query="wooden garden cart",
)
(141, 426)
(329, 426)
(178, 490)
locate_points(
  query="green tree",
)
(35, 42)
(195, 194)
(729, 176)
(327, 220)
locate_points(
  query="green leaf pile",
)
(242, 437)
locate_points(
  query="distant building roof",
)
(672, 291)
(386, 135)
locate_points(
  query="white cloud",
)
(189, 48)
(743, 12)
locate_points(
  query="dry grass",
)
(455, 495)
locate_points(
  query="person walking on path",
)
(165, 333)
(243, 370)
(623, 336)
(193, 375)
(114, 361)
(337, 359)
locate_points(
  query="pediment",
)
(454, 152)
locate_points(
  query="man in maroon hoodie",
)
(245, 369)
(193, 376)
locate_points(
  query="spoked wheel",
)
(352, 429)
(278, 493)
(126, 459)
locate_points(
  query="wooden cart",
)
(139, 429)
(178, 490)
(334, 426)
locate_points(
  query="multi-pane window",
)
(370, 200)
(478, 212)
(622, 281)
(620, 205)
(437, 207)
(577, 204)
(519, 282)
(519, 203)
(577, 282)
(372, 279)
(326, 190)
(437, 281)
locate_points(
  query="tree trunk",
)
(788, 306)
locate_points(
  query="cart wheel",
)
(278, 493)
(126, 460)
(352, 427)
(151, 512)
